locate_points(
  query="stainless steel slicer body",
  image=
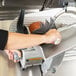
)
(32, 57)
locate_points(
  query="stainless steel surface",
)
(69, 40)
(51, 63)
(16, 5)
(9, 9)
(31, 53)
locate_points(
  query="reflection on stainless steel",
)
(30, 73)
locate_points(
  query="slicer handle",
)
(16, 57)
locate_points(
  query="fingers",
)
(57, 41)
(10, 54)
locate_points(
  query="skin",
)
(18, 41)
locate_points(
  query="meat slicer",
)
(32, 56)
(55, 54)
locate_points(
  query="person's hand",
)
(10, 54)
(52, 36)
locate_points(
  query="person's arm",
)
(18, 41)
(10, 41)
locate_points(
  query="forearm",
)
(18, 41)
